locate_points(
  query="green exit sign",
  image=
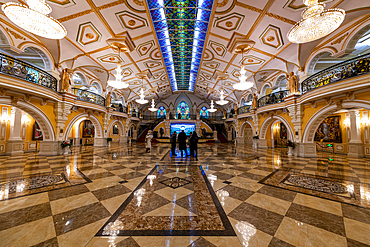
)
(329, 145)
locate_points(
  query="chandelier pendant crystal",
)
(316, 22)
(243, 83)
(222, 100)
(118, 83)
(153, 109)
(142, 99)
(212, 107)
(34, 18)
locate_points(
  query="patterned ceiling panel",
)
(181, 28)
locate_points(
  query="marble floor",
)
(229, 196)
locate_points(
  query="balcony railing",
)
(17, 68)
(243, 109)
(85, 95)
(347, 69)
(272, 98)
(119, 107)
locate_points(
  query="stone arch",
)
(319, 116)
(98, 85)
(120, 124)
(269, 120)
(5, 38)
(312, 60)
(83, 79)
(351, 41)
(242, 128)
(43, 53)
(78, 119)
(265, 86)
(41, 118)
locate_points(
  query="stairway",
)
(222, 138)
(143, 135)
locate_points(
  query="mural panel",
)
(329, 130)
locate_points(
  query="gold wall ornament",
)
(339, 40)
(140, 3)
(316, 23)
(15, 35)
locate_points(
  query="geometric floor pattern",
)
(260, 210)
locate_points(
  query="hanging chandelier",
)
(142, 101)
(153, 106)
(316, 22)
(118, 83)
(212, 107)
(222, 100)
(34, 18)
(243, 84)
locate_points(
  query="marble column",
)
(355, 145)
(15, 142)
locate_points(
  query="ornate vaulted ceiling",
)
(91, 22)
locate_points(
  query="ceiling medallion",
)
(153, 109)
(316, 22)
(34, 18)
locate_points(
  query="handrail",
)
(119, 107)
(88, 96)
(243, 109)
(17, 68)
(272, 98)
(344, 70)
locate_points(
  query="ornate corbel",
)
(43, 101)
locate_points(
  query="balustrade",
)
(22, 70)
(85, 95)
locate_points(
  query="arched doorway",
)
(85, 129)
(279, 134)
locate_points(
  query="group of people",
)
(181, 139)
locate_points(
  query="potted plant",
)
(109, 140)
(66, 147)
(291, 145)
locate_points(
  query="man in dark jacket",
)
(182, 142)
(194, 144)
(173, 144)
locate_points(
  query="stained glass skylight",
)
(181, 28)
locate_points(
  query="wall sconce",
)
(347, 122)
(365, 121)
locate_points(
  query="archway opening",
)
(279, 134)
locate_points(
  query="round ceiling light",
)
(316, 22)
(34, 18)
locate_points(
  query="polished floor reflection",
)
(122, 196)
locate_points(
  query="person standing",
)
(148, 141)
(173, 143)
(182, 142)
(194, 144)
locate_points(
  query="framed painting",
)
(115, 130)
(88, 129)
(37, 133)
(329, 130)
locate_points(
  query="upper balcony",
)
(311, 86)
(15, 69)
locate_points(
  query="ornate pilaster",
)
(61, 110)
(296, 113)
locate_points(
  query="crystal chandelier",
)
(34, 18)
(118, 83)
(222, 100)
(142, 96)
(153, 106)
(316, 22)
(212, 107)
(243, 84)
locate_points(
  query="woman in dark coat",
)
(181, 138)
(194, 144)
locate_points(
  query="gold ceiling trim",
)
(142, 36)
(219, 36)
(101, 18)
(76, 15)
(275, 16)
(259, 18)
